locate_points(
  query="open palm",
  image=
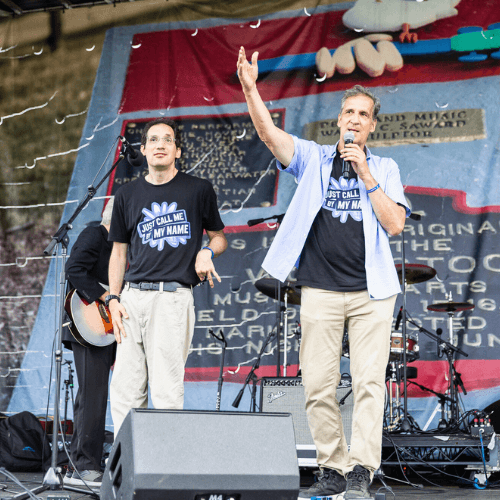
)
(247, 73)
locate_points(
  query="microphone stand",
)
(405, 424)
(68, 383)
(219, 337)
(254, 222)
(61, 241)
(252, 376)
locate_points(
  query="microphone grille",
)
(349, 136)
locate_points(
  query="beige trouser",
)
(159, 331)
(322, 316)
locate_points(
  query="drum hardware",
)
(449, 349)
(411, 371)
(415, 273)
(443, 398)
(455, 379)
(287, 293)
(450, 307)
(409, 274)
(412, 349)
(394, 376)
(394, 402)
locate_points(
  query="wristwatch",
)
(109, 298)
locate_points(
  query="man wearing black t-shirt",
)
(157, 227)
(339, 226)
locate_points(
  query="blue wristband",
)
(208, 248)
(373, 189)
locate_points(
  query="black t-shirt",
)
(333, 257)
(163, 225)
(88, 262)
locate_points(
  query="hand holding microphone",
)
(346, 166)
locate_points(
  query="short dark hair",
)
(164, 121)
(360, 90)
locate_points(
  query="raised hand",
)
(247, 73)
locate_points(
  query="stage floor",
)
(402, 492)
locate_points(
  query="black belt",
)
(168, 286)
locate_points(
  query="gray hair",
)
(360, 90)
(106, 215)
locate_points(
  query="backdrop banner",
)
(438, 121)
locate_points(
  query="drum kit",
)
(398, 370)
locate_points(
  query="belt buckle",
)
(144, 286)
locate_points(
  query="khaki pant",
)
(323, 314)
(159, 331)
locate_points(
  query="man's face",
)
(357, 117)
(160, 149)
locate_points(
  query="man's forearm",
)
(279, 142)
(259, 114)
(217, 242)
(117, 264)
(390, 215)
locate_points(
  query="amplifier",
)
(286, 395)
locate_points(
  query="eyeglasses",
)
(155, 139)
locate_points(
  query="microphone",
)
(458, 377)
(237, 400)
(254, 222)
(439, 332)
(134, 157)
(399, 318)
(348, 139)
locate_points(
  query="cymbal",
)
(450, 306)
(269, 287)
(416, 273)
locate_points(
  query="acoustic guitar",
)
(91, 324)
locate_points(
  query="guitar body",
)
(91, 324)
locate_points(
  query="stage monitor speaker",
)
(202, 455)
(286, 394)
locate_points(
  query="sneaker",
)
(358, 483)
(329, 482)
(86, 478)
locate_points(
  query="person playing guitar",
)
(93, 348)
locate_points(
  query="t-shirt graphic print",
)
(342, 199)
(164, 224)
